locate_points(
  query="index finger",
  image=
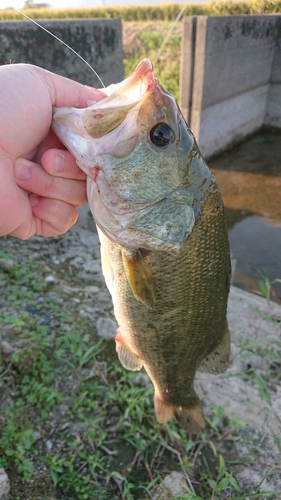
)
(61, 163)
(66, 92)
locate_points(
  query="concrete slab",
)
(273, 116)
(99, 41)
(230, 121)
(230, 77)
(246, 391)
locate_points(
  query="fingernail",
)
(59, 162)
(34, 200)
(22, 172)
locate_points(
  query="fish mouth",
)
(143, 71)
(102, 127)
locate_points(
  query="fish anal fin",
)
(127, 358)
(139, 275)
(218, 359)
(190, 417)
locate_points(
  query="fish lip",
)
(144, 68)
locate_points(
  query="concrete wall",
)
(99, 41)
(233, 64)
(273, 108)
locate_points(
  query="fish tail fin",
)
(190, 417)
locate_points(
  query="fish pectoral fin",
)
(218, 359)
(139, 276)
(128, 359)
(190, 417)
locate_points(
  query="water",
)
(249, 176)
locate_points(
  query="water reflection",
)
(249, 177)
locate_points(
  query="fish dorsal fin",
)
(139, 275)
(218, 359)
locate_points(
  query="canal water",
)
(249, 176)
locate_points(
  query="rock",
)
(143, 380)
(93, 289)
(6, 348)
(106, 328)
(36, 435)
(174, 484)
(93, 266)
(4, 485)
(7, 264)
(49, 445)
(50, 279)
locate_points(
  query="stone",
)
(174, 484)
(106, 328)
(50, 279)
(143, 380)
(4, 485)
(7, 264)
(6, 348)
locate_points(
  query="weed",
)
(266, 287)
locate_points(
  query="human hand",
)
(40, 184)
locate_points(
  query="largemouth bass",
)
(164, 243)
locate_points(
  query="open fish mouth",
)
(75, 127)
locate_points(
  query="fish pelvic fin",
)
(139, 276)
(127, 358)
(190, 417)
(218, 359)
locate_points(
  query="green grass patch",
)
(149, 43)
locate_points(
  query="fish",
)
(163, 234)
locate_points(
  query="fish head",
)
(145, 172)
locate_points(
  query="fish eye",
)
(161, 135)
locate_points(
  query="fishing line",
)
(169, 34)
(61, 41)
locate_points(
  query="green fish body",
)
(164, 242)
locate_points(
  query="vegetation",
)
(165, 12)
(74, 424)
(147, 42)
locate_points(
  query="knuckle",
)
(49, 184)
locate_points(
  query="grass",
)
(74, 420)
(147, 45)
(165, 12)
